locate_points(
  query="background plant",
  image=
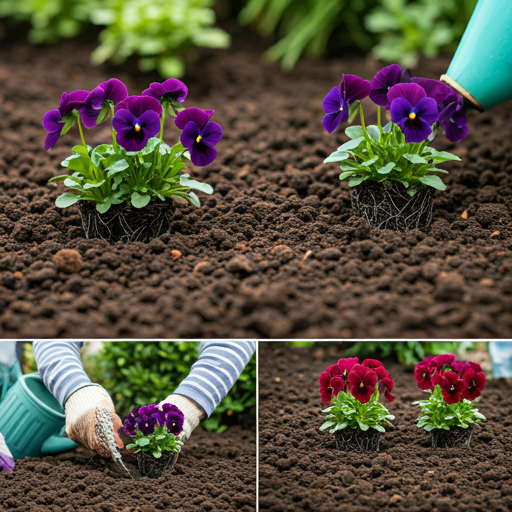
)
(407, 352)
(159, 32)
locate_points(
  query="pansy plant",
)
(354, 390)
(453, 386)
(138, 167)
(155, 429)
(398, 151)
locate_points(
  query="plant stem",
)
(79, 123)
(378, 119)
(367, 137)
(162, 121)
(114, 140)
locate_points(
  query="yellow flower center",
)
(199, 138)
(137, 127)
(412, 115)
(361, 385)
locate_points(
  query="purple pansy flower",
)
(412, 111)
(385, 79)
(54, 120)
(148, 417)
(171, 89)
(113, 90)
(199, 135)
(452, 115)
(136, 120)
(337, 102)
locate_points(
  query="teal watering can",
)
(481, 69)
(32, 421)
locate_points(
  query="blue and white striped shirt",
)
(216, 370)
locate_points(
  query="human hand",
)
(6, 458)
(91, 421)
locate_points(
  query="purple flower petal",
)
(442, 93)
(406, 76)
(412, 92)
(416, 130)
(333, 102)
(202, 154)
(400, 110)
(150, 123)
(170, 89)
(331, 121)
(382, 82)
(51, 139)
(200, 117)
(123, 121)
(74, 100)
(134, 132)
(426, 109)
(354, 88)
(447, 112)
(212, 133)
(456, 128)
(189, 134)
(6, 462)
(51, 121)
(137, 105)
(115, 90)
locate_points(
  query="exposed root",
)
(356, 439)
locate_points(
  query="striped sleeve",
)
(60, 367)
(216, 370)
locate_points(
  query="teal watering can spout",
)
(481, 69)
(32, 421)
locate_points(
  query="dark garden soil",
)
(276, 251)
(300, 468)
(214, 472)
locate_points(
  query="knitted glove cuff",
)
(191, 411)
(85, 398)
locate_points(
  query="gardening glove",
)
(192, 412)
(6, 458)
(91, 421)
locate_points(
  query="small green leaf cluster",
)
(109, 175)
(381, 154)
(156, 443)
(158, 31)
(348, 412)
(437, 414)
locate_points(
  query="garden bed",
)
(276, 251)
(213, 472)
(300, 468)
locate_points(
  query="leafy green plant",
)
(308, 26)
(424, 27)
(407, 352)
(382, 155)
(159, 32)
(349, 413)
(156, 443)
(139, 373)
(436, 413)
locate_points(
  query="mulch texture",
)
(214, 472)
(276, 251)
(301, 469)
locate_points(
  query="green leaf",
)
(356, 181)
(70, 121)
(387, 128)
(363, 426)
(139, 201)
(369, 162)
(479, 415)
(130, 446)
(104, 207)
(387, 168)
(353, 109)
(337, 156)
(433, 181)
(87, 186)
(105, 109)
(380, 428)
(65, 163)
(373, 132)
(327, 424)
(142, 442)
(353, 132)
(346, 174)
(351, 144)
(428, 428)
(116, 167)
(157, 455)
(80, 150)
(197, 185)
(66, 199)
(415, 159)
(150, 146)
(55, 179)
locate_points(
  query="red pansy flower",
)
(377, 367)
(474, 383)
(452, 387)
(422, 376)
(388, 383)
(361, 382)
